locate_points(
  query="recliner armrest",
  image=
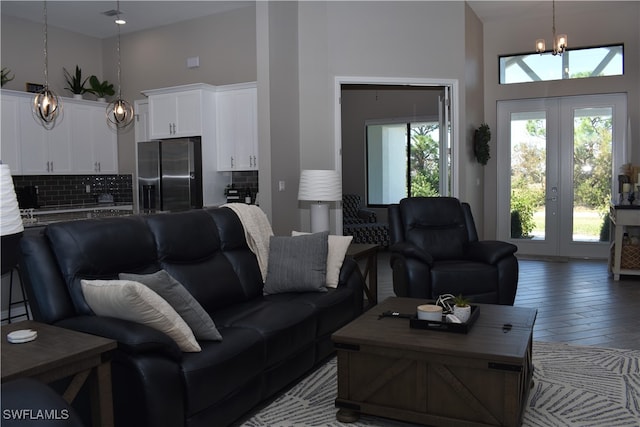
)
(409, 250)
(489, 251)
(132, 338)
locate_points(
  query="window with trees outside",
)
(572, 64)
(406, 159)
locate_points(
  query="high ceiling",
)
(87, 17)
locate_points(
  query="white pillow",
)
(338, 246)
(133, 301)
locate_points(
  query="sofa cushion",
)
(285, 328)
(100, 249)
(181, 300)
(133, 301)
(338, 246)
(222, 367)
(217, 270)
(297, 264)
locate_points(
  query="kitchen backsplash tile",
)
(60, 190)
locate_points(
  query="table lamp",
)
(320, 186)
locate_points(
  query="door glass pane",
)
(425, 159)
(528, 175)
(386, 163)
(592, 137)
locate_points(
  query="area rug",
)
(573, 386)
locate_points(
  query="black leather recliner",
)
(435, 250)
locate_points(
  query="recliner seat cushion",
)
(454, 277)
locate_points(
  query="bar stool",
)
(10, 256)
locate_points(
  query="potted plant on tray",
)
(100, 89)
(75, 84)
(461, 308)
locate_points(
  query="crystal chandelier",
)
(559, 41)
(46, 105)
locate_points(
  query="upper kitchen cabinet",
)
(45, 151)
(141, 108)
(179, 111)
(237, 127)
(81, 142)
(10, 136)
(94, 143)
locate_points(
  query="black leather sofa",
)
(268, 341)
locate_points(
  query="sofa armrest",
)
(133, 338)
(351, 277)
(407, 250)
(489, 251)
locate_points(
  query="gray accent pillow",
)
(181, 300)
(297, 264)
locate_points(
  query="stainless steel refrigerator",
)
(170, 175)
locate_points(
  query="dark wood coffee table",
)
(59, 353)
(482, 378)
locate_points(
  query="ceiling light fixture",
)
(119, 111)
(559, 41)
(46, 105)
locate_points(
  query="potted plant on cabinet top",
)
(461, 308)
(5, 75)
(100, 89)
(75, 84)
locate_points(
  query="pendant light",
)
(119, 111)
(559, 41)
(46, 105)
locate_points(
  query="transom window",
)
(572, 64)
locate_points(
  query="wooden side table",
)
(622, 217)
(359, 251)
(59, 353)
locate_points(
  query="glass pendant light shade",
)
(561, 43)
(540, 47)
(120, 113)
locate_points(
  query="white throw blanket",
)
(257, 231)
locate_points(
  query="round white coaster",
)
(22, 336)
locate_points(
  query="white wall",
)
(612, 23)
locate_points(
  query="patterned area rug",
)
(574, 386)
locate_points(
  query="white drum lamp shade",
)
(10, 220)
(320, 186)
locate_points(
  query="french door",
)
(557, 166)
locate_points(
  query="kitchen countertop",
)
(50, 214)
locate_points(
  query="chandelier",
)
(46, 105)
(119, 111)
(559, 41)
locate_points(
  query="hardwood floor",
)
(578, 301)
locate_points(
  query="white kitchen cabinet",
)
(237, 127)
(81, 142)
(94, 142)
(176, 114)
(141, 108)
(10, 136)
(45, 151)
